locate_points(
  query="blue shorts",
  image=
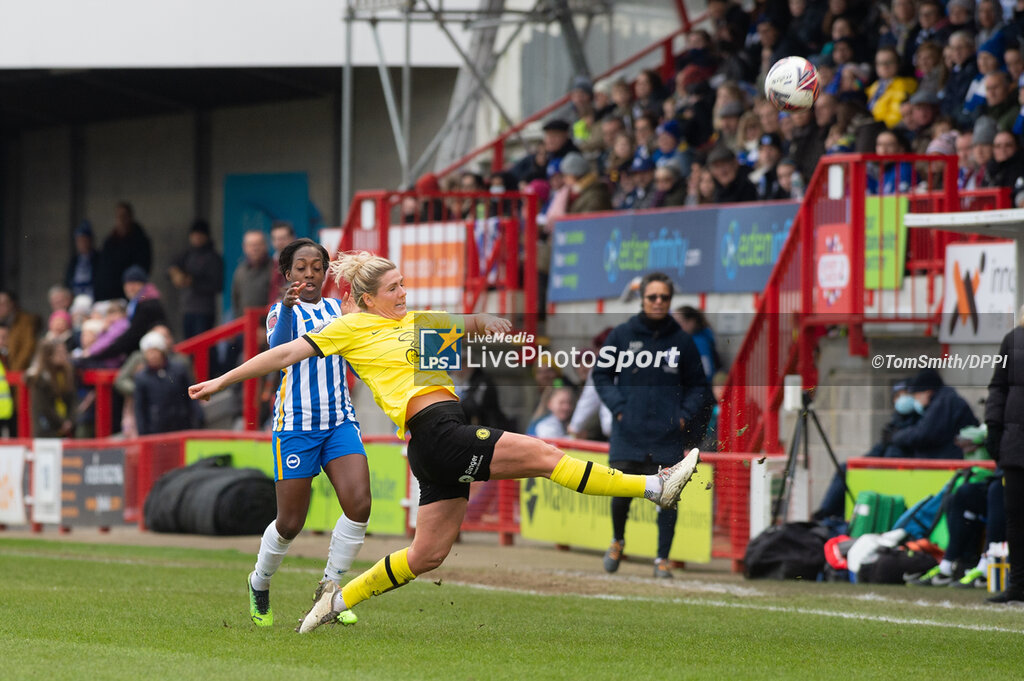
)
(302, 453)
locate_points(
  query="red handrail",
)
(785, 329)
(666, 68)
(249, 326)
(515, 214)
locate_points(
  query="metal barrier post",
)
(250, 348)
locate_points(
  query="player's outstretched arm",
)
(273, 359)
(487, 323)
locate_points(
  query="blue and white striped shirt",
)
(313, 394)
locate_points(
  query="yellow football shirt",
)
(384, 353)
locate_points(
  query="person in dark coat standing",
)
(81, 269)
(659, 411)
(943, 414)
(126, 246)
(1004, 416)
(199, 273)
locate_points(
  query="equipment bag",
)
(875, 513)
(895, 565)
(790, 551)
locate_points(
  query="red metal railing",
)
(784, 332)
(498, 233)
(666, 68)
(249, 326)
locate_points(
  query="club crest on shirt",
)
(482, 433)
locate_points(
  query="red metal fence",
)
(785, 329)
(489, 250)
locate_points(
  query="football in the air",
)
(792, 84)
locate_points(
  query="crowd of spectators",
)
(906, 76)
(108, 313)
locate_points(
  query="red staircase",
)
(784, 333)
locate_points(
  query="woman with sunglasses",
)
(659, 411)
(381, 344)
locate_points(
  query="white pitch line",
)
(739, 591)
(756, 606)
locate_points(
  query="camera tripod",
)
(801, 434)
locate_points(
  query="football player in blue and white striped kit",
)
(314, 427)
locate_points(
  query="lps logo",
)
(439, 350)
(292, 461)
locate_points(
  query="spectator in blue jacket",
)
(659, 411)
(943, 414)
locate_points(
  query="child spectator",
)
(559, 403)
(790, 182)
(622, 98)
(51, 382)
(748, 138)
(59, 328)
(764, 175)
(932, 74)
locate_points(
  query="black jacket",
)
(162, 403)
(651, 400)
(932, 437)
(739, 190)
(954, 92)
(118, 254)
(1005, 173)
(206, 268)
(1004, 409)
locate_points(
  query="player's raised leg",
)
(521, 456)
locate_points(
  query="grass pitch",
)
(79, 611)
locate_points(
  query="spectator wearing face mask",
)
(943, 414)
(904, 416)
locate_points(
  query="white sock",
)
(273, 548)
(652, 488)
(337, 602)
(346, 540)
(946, 567)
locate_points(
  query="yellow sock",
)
(389, 573)
(588, 477)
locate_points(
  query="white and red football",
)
(792, 84)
